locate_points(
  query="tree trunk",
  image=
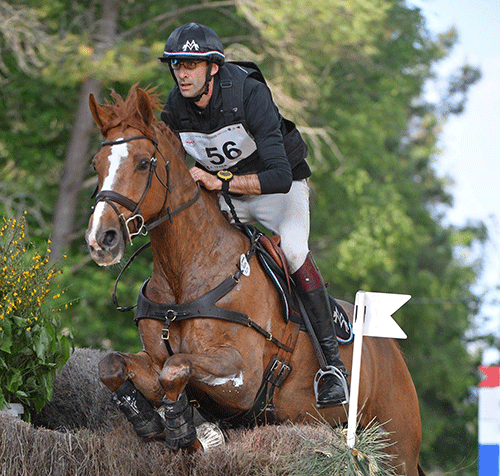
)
(75, 161)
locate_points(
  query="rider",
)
(228, 122)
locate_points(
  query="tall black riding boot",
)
(332, 384)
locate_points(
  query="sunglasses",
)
(176, 65)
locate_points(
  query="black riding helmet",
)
(193, 41)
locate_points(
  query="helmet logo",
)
(191, 45)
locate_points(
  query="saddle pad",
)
(343, 327)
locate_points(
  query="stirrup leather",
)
(331, 370)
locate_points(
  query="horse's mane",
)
(124, 112)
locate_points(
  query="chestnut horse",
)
(144, 182)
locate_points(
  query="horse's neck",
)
(195, 251)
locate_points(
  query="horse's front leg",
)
(220, 374)
(133, 380)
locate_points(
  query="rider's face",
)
(191, 80)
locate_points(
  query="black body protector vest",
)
(231, 143)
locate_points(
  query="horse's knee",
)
(112, 370)
(175, 375)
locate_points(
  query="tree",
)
(80, 138)
(22, 39)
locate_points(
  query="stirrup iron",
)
(331, 370)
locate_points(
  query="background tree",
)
(352, 77)
(72, 178)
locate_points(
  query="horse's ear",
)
(100, 116)
(144, 107)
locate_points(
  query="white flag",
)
(378, 317)
(377, 309)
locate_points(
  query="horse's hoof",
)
(209, 435)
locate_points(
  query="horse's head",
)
(132, 173)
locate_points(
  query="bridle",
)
(111, 197)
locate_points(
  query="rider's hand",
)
(209, 181)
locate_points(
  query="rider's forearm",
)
(245, 184)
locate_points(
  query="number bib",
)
(221, 149)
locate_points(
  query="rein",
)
(111, 197)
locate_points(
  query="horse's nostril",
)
(109, 239)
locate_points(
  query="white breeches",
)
(285, 214)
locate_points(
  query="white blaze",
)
(115, 158)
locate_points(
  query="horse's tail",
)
(420, 471)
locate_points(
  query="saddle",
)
(274, 262)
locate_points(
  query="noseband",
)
(111, 197)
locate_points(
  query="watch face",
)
(225, 175)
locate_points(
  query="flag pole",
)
(359, 318)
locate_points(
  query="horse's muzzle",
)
(106, 247)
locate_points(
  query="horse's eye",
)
(143, 165)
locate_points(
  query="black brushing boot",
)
(143, 416)
(179, 424)
(331, 387)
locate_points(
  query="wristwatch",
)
(225, 177)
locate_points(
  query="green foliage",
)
(32, 347)
(93, 319)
